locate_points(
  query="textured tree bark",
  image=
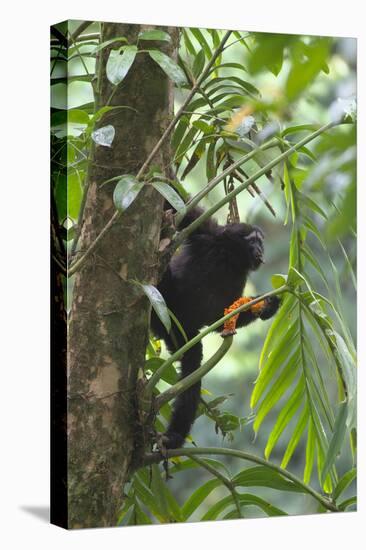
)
(110, 317)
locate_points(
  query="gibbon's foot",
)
(227, 332)
(171, 440)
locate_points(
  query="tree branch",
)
(194, 377)
(153, 458)
(182, 235)
(177, 355)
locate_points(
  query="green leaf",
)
(169, 66)
(299, 128)
(278, 280)
(118, 65)
(346, 503)
(337, 439)
(170, 374)
(296, 436)
(199, 36)
(126, 192)
(285, 416)
(106, 43)
(302, 74)
(154, 35)
(170, 195)
(310, 452)
(277, 390)
(307, 201)
(344, 482)
(269, 52)
(284, 352)
(178, 325)
(158, 304)
(182, 465)
(199, 63)
(260, 476)
(198, 497)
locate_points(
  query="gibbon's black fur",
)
(204, 278)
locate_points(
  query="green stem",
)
(217, 179)
(177, 355)
(224, 480)
(188, 230)
(194, 377)
(152, 458)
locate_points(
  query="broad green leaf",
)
(182, 465)
(178, 325)
(119, 64)
(200, 37)
(198, 497)
(283, 352)
(278, 280)
(349, 374)
(185, 144)
(281, 322)
(337, 439)
(260, 476)
(302, 74)
(310, 452)
(295, 278)
(107, 43)
(347, 503)
(277, 390)
(158, 490)
(170, 195)
(307, 201)
(188, 43)
(170, 374)
(203, 126)
(149, 498)
(158, 304)
(198, 64)
(154, 35)
(296, 436)
(126, 517)
(195, 157)
(126, 192)
(217, 508)
(268, 54)
(141, 517)
(299, 128)
(285, 416)
(169, 66)
(210, 161)
(344, 482)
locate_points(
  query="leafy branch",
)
(178, 354)
(80, 262)
(208, 213)
(153, 458)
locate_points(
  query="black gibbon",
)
(206, 276)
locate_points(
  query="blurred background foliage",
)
(262, 85)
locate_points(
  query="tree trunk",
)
(108, 331)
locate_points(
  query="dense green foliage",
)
(272, 103)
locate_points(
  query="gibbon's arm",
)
(264, 309)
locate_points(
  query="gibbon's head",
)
(246, 242)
